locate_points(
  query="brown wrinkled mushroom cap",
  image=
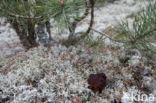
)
(97, 82)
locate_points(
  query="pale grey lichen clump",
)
(59, 74)
(42, 77)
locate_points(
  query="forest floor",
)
(59, 74)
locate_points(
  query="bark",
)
(27, 36)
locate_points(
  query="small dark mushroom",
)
(97, 82)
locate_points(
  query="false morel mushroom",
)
(97, 82)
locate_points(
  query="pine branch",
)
(25, 17)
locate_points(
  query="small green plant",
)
(142, 34)
(94, 42)
(24, 15)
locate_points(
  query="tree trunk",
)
(27, 36)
